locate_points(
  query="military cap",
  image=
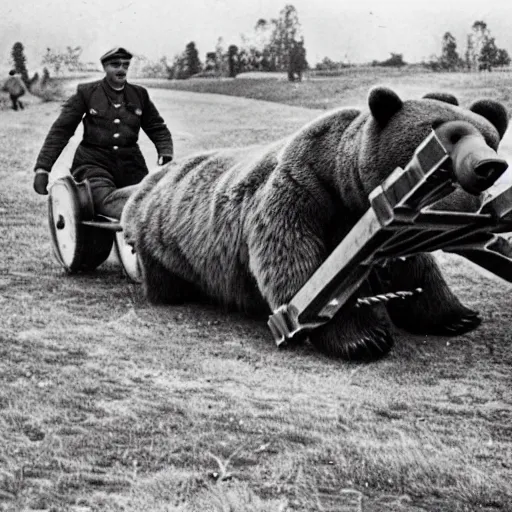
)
(116, 53)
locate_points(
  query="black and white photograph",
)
(255, 256)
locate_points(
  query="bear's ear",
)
(442, 96)
(384, 104)
(494, 112)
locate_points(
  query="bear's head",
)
(393, 129)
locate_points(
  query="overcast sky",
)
(353, 31)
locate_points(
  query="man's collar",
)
(113, 88)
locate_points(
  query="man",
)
(108, 157)
(16, 88)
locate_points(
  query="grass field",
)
(110, 404)
(351, 87)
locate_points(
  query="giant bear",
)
(247, 227)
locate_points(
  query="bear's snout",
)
(475, 164)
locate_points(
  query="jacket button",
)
(116, 135)
(117, 121)
(115, 148)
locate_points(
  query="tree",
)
(276, 45)
(469, 52)
(186, 64)
(19, 60)
(488, 54)
(72, 58)
(53, 59)
(221, 58)
(298, 63)
(286, 39)
(192, 62)
(395, 60)
(450, 59)
(482, 53)
(210, 62)
(138, 64)
(233, 60)
(502, 58)
(177, 70)
(265, 53)
(158, 69)
(478, 36)
(491, 56)
(46, 77)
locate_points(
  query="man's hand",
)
(41, 181)
(164, 159)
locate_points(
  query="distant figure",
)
(16, 88)
(112, 111)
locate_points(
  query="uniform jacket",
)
(107, 129)
(14, 86)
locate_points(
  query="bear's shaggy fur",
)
(247, 227)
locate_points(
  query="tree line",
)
(70, 59)
(276, 44)
(481, 54)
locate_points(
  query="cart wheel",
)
(128, 258)
(76, 247)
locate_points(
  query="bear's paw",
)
(454, 323)
(354, 334)
(436, 311)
